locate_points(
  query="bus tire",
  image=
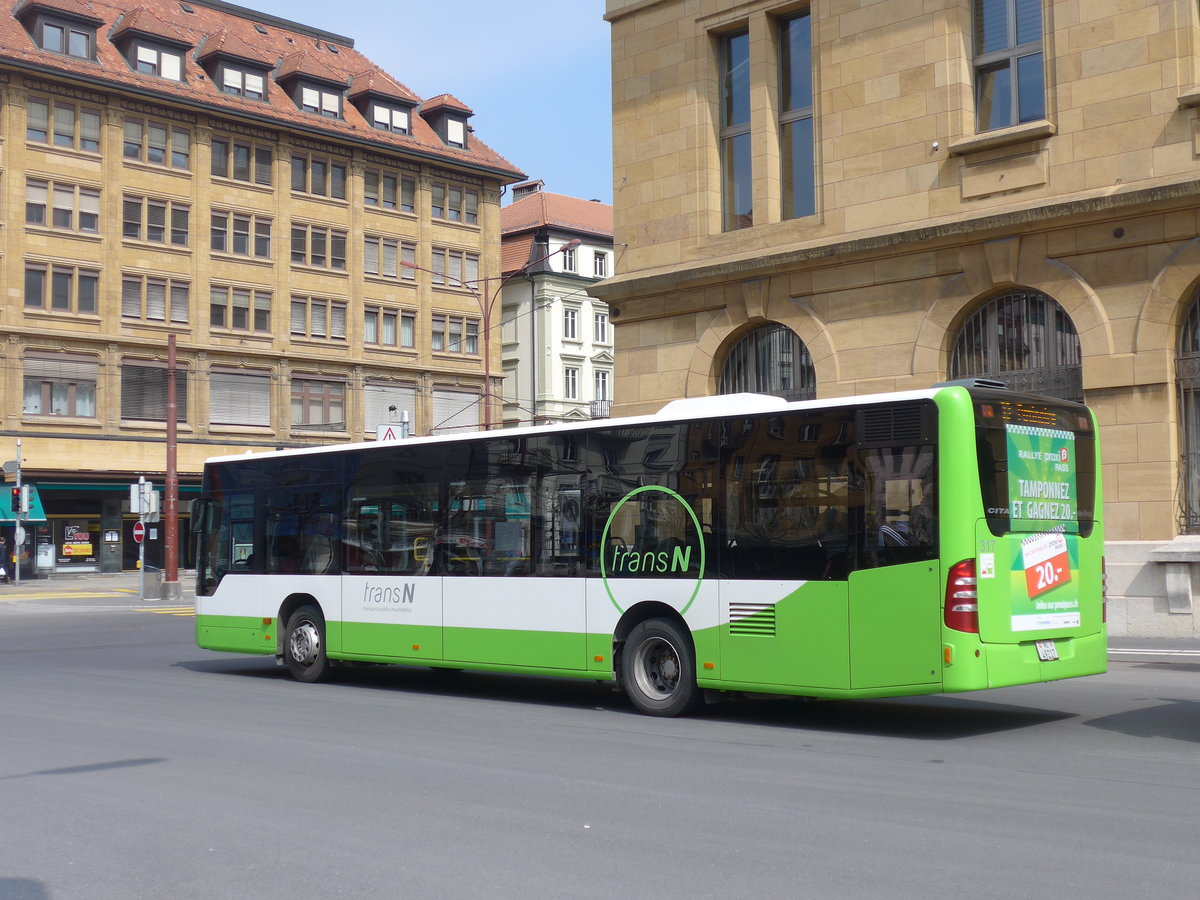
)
(304, 646)
(658, 669)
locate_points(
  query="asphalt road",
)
(133, 764)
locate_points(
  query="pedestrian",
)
(4, 560)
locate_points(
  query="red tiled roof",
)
(540, 209)
(227, 43)
(306, 63)
(515, 252)
(143, 21)
(377, 81)
(74, 8)
(446, 101)
(283, 39)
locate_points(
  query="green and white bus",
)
(896, 544)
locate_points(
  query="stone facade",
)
(922, 217)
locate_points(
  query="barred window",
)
(1024, 339)
(770, 359)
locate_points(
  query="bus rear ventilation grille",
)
(895, 426)
(752, 619)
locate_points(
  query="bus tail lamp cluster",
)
(962, 598)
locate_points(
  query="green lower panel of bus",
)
(235, 634)
(751, 663)
(1004, 665)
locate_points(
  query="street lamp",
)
(487, 302)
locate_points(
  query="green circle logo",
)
(617, 558)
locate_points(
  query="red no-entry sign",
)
(139, 531)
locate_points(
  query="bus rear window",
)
(1037, 465)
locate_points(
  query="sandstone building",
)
(835, 198)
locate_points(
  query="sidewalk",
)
(68, 584)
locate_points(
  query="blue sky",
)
(536, 73)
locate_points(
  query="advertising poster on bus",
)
(1042, 499)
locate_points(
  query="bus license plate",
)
(1047, 652)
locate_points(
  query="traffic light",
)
(16, 499)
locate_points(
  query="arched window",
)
(769, 360)
(1187, 379)
(1024, 339)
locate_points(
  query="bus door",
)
(508, 548)
(784, 551)
(895, 595)
(391, 593)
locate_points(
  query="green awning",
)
(36, 512)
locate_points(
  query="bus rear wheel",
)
(659, 669)
(304, 645)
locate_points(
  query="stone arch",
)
(990, 268)
(1167, 300)
(754, 308)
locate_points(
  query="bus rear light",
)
(962, 598)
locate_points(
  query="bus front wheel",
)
(304, 645)
(659, 669)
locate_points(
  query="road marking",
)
(1122, 651)
(66, 595)
(168, 610)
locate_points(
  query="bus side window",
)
(900, 525)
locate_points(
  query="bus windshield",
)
(1036, 465)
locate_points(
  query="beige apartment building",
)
(848, 196)
(311, 232)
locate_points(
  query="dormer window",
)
(69, 40)
(59, 31)
(448, 118)
(389, 118)
(321, 101)
(241, 82)
(153, 60)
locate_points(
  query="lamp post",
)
(486, 299)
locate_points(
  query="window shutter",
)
(378, 396)
(455, 411)
(240, 398)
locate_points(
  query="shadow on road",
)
(931, 718)
(1177, 719)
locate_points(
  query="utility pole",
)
(18, 531)
(171, 592)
